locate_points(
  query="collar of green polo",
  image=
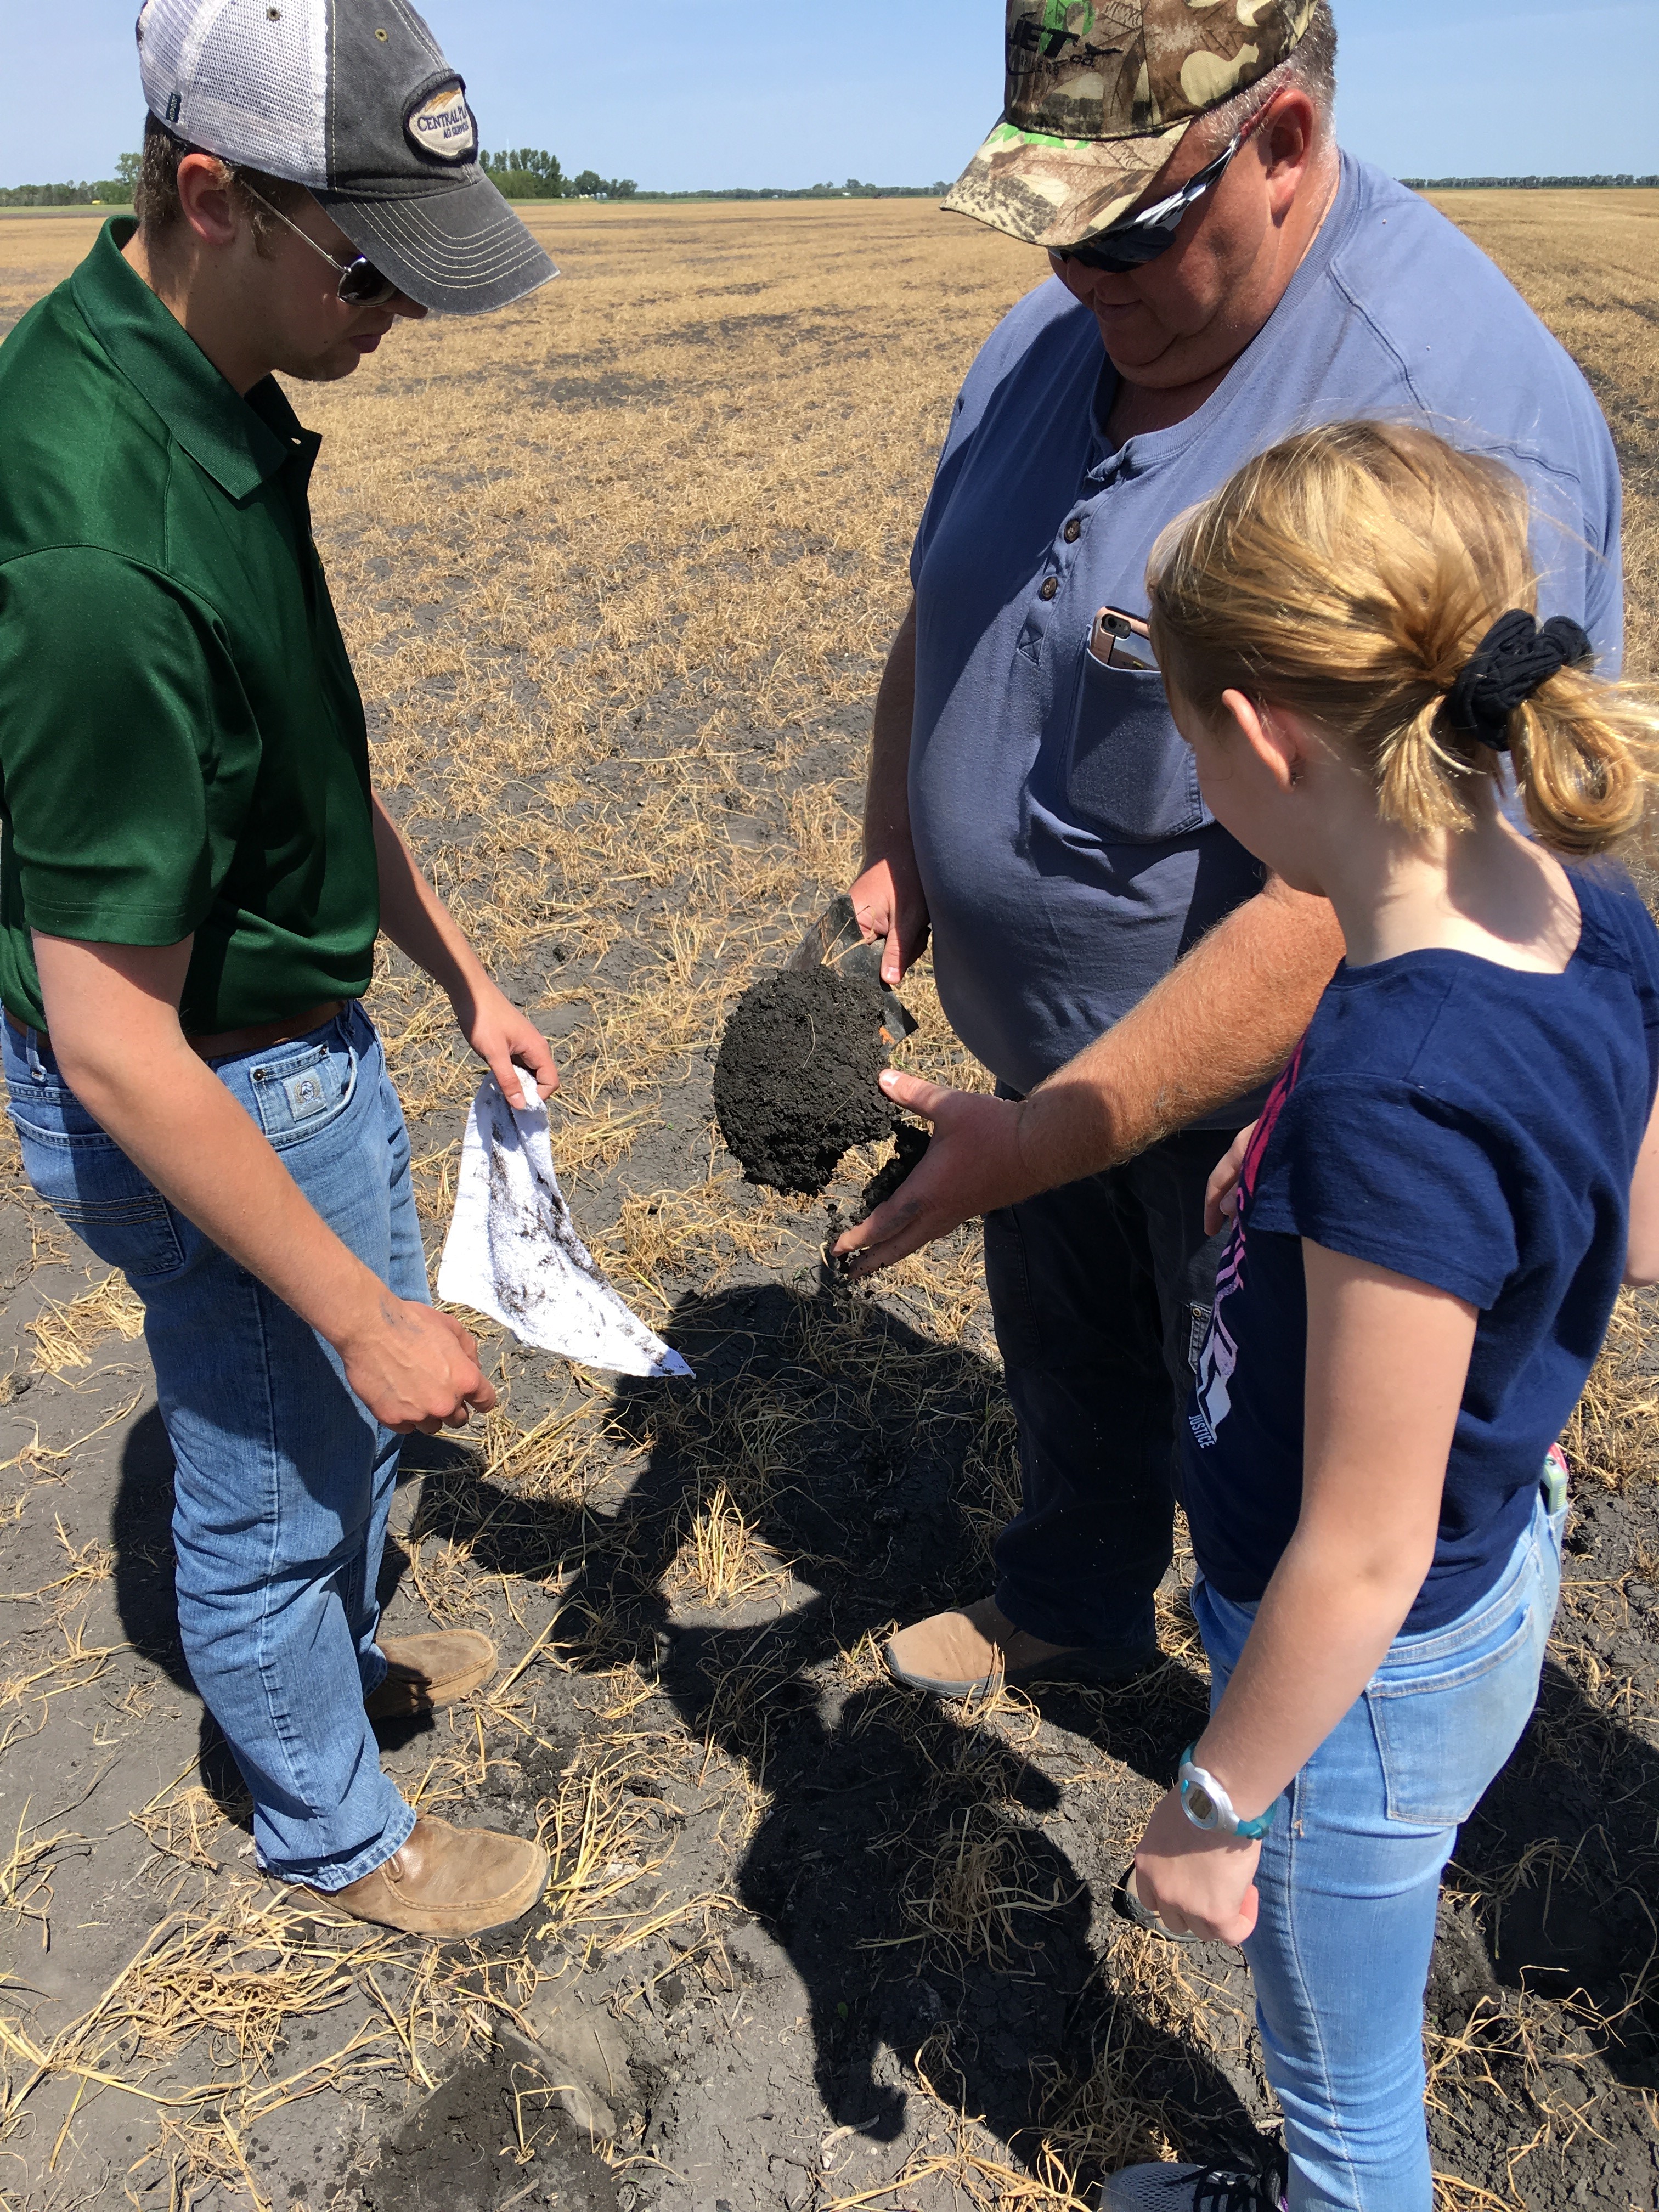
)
(241, 443)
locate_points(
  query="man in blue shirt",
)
(1223, 276)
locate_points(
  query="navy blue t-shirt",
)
(1473, 1127)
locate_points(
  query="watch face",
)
(1200, 1804)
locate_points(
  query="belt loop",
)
(29, 1043)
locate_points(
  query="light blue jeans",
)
(1350, 1877)
(284, 1479)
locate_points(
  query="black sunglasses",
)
(1140, 238)
(362, 284)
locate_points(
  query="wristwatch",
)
(1207, 1806)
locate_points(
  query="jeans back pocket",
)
(1443, 1735)
(1130, 775)
(94, 1189)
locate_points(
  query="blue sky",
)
(722, 92)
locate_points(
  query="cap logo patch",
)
(443, 125)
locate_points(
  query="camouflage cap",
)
(1100, 93)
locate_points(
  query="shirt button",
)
(1051, 585)
(1073, 531)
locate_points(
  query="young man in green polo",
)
(194, 871)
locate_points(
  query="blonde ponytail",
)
(1583, 755)
(1353, 574)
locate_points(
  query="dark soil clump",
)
(912, 1143)
(796, 1082)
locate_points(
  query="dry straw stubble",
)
(617, 568)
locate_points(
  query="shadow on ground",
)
(908, 1861)
(904, 1860)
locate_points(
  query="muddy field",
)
(618, 568)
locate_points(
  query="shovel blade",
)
(834, 939)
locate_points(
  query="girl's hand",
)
(1221, 1191)
(507, 1041)
(1197, 1884)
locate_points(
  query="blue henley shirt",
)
(1067, 857)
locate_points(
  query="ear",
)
(209, 203)
(1289, 140)
(1276, 739)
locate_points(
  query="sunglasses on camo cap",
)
(1140, 238)
(362, 284)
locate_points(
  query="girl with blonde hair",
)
(1431, 1221)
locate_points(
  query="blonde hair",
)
(1349, 575)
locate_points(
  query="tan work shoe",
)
(958, 1655)
(425, 1673)
(444, 1881)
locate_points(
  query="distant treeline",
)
(530, 172)
(113, 192)
(1523, 184)
(852, 189)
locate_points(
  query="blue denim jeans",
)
(284, 1479)
(1350, 1873)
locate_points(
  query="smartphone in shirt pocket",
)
(1121, 641)
(1130, 777)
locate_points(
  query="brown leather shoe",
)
(444, 1881)
(960, 1654)
(425, 1673)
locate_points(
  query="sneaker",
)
(1171, 2188)
(960, 1655)
(426, 1673)
(444, 1881)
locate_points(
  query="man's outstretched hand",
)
(973, 1165)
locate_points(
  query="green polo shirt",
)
(182, 748)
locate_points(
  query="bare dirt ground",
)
(618, 568)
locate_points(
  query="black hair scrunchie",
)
(1517, 655)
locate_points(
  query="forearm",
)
(887, 793)
(1223, 1021)
(1324, 1627)
(419, 923)
(1327, 1619)
(174, 1118)
(417, 920)
(112, 1011)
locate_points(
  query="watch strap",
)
(1227, 1821)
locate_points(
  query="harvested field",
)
(618, 568)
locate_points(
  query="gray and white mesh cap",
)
(354, 100)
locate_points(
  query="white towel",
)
(513, 1251)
